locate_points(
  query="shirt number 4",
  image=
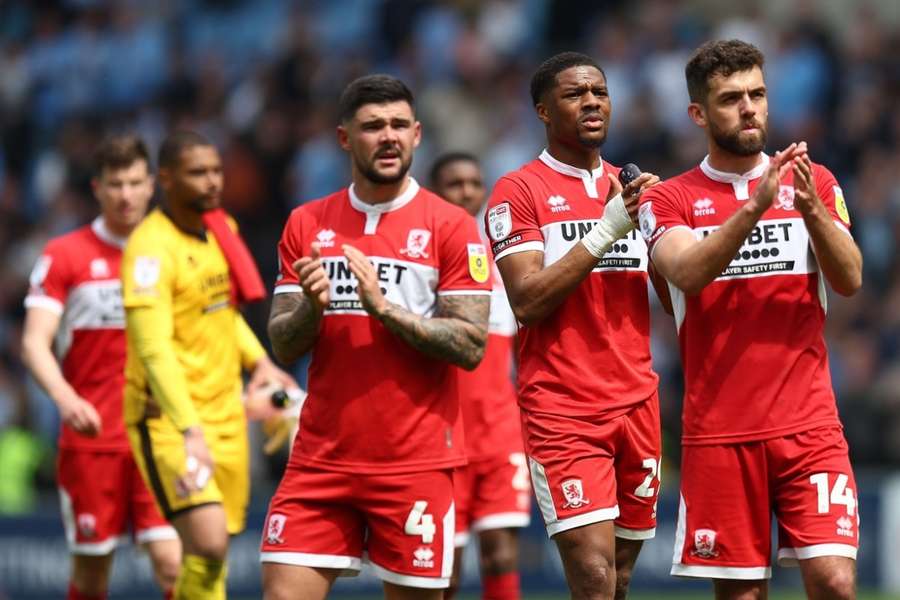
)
(419, 523)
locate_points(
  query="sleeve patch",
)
(479, 268)
(146, 273)
(499, 221)
(841, 205)
(647, 220)
(40, 270)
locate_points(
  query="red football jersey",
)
(752, 346)
(77, 277)
(591, 356)
(376, 404)
(487, 396)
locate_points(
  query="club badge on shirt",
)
(478, 262)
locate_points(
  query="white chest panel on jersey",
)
(408, 284)
(627, 254)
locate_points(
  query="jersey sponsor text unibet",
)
(752, 341)
(376, 404)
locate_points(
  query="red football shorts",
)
(100, 494)
(586, 472)
(402, 524)
(728, 494)
(491, 493)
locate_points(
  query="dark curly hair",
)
(544, 79)
(720, 57)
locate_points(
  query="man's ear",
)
(542, 112)
(697, 113)
(343, 137)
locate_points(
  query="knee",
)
(499, 559)
(166, 569)
(592, 578)
(623, 580)
(839, 584)
(90, 575)
(210, 548)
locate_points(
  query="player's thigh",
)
(312, 522)
(571, 462)
(400, 592)
(230, 452)
(94, 508)
(724, 515)
(829, 577)
(816, 497)
(410, 525)
(588, 557)
(202, 530)
(638, 457)
(291, 582)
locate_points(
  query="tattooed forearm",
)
(293, 326)
(456, 333)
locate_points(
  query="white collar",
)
(383, 207)
(588, 178)
(739, 181)
(98, 226)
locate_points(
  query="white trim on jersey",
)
(524, 247)
(155, 534)
(739, 181)
(843, 228)
(101, 230)
(383, 207)
(542, 491)
(743, 573)
(349, 564)
(431, 583)
(461, 539)
(588, 178)
(501, 521)
(288, 288)
(45, 302)
(791, 557)
(635, 534)
(664, 234)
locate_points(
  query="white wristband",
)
(613, 226)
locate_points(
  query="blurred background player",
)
(388, 286)
(576, 276)
(187, 342)
(492, 492)
(76, 299)
(747, 242)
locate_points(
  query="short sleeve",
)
(660, 212)
(463, 265)
(510, 221)
(832, 196)
(50, 280)
(290, 249)
(147, 272)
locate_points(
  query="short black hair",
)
(544, 79)
(175, 143)
(120, 152)
(719, 57)
(372, 89)
(445, 159)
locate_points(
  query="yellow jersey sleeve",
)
(249, 346)
(147, 276)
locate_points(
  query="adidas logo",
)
(704, 207)
(558, 204)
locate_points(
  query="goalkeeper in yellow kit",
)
(187, 344)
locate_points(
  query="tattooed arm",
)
(456, 333)
(295, 317)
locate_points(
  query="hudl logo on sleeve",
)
(40, 270)
(499, 221)
(647, 220)
(146, 270)
(841, 205)
(478, 262)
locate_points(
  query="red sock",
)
(168, 594)
(500, 587)
(76, 595)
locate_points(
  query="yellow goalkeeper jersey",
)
(186, 342)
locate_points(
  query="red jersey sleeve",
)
(50, 280)
(511, 221)
(290, 249)
(832, 196)
(463, 265)
(661, 211)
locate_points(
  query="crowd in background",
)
(261, 78)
